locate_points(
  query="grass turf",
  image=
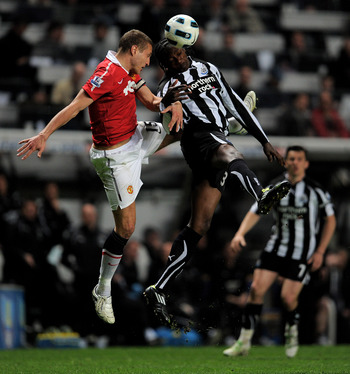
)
(173, 360)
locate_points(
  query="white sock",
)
(109, 264)
(246, 335)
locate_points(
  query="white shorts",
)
(120, 169)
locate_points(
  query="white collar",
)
(111, 55)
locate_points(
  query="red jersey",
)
(113, 112)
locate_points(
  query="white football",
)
(181, 31)
(235, 128)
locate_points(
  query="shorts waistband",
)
(130, 144)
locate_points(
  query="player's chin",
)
(182, 68)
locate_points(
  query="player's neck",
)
(294, 179)
(124, 60)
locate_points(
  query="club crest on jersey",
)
(96, 82)
(303, 199)
(204, 70)
(130, 190)
(129, 88)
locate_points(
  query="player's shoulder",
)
(323, 195)
(313, 183)
(209, 65)
(108, 67)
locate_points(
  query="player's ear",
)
(134, 49)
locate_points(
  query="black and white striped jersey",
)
(212, 101)
(298, 220)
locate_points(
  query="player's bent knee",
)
(225, 155)
(125, 231)
(256, 292)
(201, 227)
(289, 301)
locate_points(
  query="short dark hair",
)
(297, 148)
(161, 51)
(134, 37)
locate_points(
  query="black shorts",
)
(288, 268)
(198, 149)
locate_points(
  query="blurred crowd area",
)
(294, 53)
(56, 261)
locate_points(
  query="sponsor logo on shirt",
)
(96, 82)
(129, 88)
(203, 84)
(293, 213)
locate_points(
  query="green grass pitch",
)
(174, 360)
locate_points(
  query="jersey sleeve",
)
(100, 82)
(139, 82)
(326, 204)
(238, 109)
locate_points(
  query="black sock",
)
(115, 243)
(248, 180)
(251, 316)
(181, 251)
(292, 317)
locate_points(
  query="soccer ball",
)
(181, 31)
(235, 128)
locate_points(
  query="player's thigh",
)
(291, 290)
(225, 154)
(120, 173)
(205, 199)
(262, 281)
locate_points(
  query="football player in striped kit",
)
(304, 225)
(211, 156)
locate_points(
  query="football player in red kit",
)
(120, 143)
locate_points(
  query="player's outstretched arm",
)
(157, 103)
(238, 241)
(38, 142)
(154, 103)
(316, 260)
(176, 93)
(272, 154)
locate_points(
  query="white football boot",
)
(242, 345)
(250, 100)
(234, 126)
(291, 340)
(103, 306)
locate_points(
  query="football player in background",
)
(304, 225)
